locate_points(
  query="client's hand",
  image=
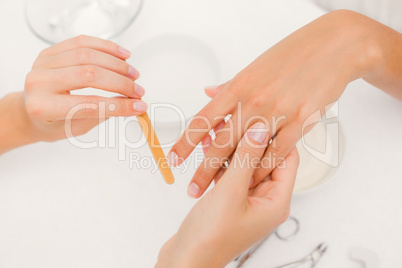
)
(303, 74)
(231, 218)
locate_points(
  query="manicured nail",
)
(251, 182)
(193, 190)
(258, 132)
(134, 73)
(140, 106)
(172, 159)
(125, 51)
(139, 90)
(212, 87)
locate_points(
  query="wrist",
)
(361, 44)
(199, 255)
(16, 127)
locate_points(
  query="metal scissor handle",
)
(313, 257)
(245, 256)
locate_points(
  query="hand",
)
(231, 217)
(304, 73)
(73, 64)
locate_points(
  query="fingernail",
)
(140, 106)
(193, 190)
(134, 73)
(125, 51)
(258, 132)
(251, 182)
(172, 159)
(139, 90)
(212, 87)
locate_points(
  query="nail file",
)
(155, 147)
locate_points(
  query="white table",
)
(61, 206)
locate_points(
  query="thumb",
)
(246, 158)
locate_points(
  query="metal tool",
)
(245, 256)
(312, 258)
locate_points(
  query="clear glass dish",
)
(57, 20)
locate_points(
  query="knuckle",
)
(126, 108)
(81, 40)
(302, 113)
(89, 105)
(34, 108)
(127, 87)
(87, 73)
(258, 102)
(31, 81)
(280, 105)
(90, 100)
(83, 55)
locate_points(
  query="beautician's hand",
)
(41, 111)
(78, 63)
(230, 218)
(303, 74)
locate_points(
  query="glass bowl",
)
(57, 20)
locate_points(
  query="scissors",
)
(245, 256)
(312, 258)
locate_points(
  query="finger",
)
(285, 174)
(81, 41)
(218, 153)
(246, 158)
(212, 91)
(205, 143)
(218, 127)
(82, 126)
(220, 173)
(78, 77)
(88, 56)
(101, 107)
(66, 107)
(281, 145)
(278, 186)
(210, 116)
(207, 140)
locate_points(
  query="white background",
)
(65, 207)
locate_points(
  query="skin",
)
(240, 216)
(304, 73)
(40, 112)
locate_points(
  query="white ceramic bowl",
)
(321, 152)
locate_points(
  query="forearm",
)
(383, 48)
(14, 125)
(388, 74)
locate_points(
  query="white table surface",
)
(61, 206)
